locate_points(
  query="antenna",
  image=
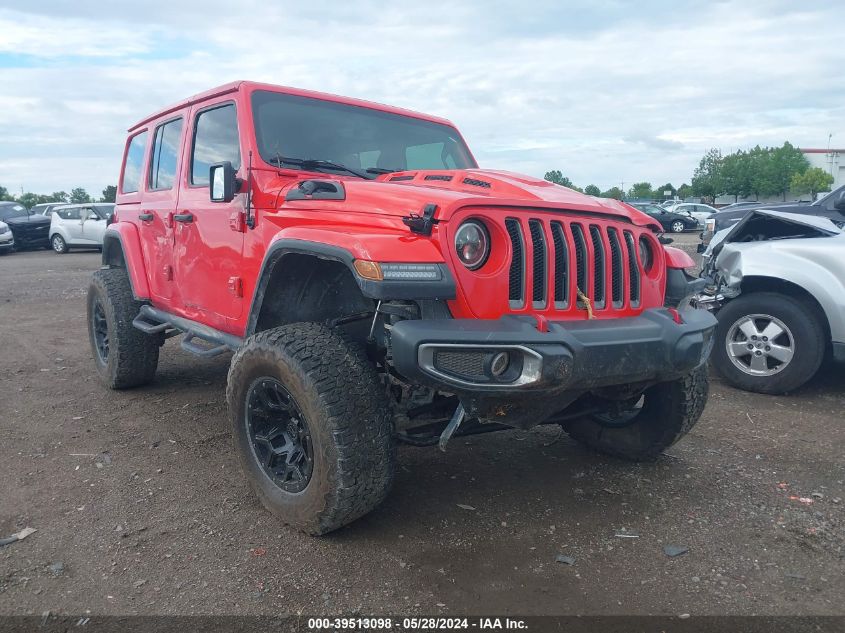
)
(250, 219)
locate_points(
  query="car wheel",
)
(768, 342)
(311, 426)
(59, 245)
(677, 226)
(660, 417)
(123, 355)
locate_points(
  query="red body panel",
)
(207, 270)
(676, 258)
(127, 233)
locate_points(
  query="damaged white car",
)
(776, 282)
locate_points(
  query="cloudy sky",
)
(606, 91)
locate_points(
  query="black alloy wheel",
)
(279, 435)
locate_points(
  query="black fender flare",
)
(379, 290)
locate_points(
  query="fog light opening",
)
(500, 363)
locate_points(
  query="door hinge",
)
(236, 286)
(237, 221)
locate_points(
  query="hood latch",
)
(422, 224)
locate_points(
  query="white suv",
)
(79, 226)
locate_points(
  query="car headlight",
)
(646, 255)
(472, 244)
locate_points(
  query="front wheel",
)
(768, 342)
(311, 426)
(59, 245)
(663, 415)
(677, 226)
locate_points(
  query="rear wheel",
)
(123, 355)
(677, 226)
(59, 245)
(663, 414)
(311, 425)
(768, 342)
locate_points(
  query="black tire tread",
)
(348, 390)
(675, 406)
(133, 355)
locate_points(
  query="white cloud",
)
(602, 92)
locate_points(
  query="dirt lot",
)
(140, 506)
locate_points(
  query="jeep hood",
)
(402, 193)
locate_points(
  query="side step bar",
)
(151, 320)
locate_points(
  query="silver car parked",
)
(776, 282)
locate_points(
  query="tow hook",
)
(453, 425)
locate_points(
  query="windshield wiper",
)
(313, 163)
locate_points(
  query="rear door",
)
(72, 224)
(209, 243)
(158, 205)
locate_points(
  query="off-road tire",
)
(807, 330)
(58, 244)
(133, 355)
(345, 407)
(669, 411)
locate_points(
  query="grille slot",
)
(538, 263)
(475, 182)
(617, 278)
(444, 177)
(516, 276)
(468, 365)
(398, 178)
(633, 269)
(580, 260)
(598, 267)
(561, 259)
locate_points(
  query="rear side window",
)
(69, 214)
(134, 163)
(165, 153)
(215, 141)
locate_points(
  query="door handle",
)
(146, 216)
(184, 217)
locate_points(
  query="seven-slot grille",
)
(602, 259)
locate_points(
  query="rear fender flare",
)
(121, 242)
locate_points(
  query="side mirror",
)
(221, 179)
(839, 203)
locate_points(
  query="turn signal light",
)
(369, 270)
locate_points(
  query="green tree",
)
(558, 178)
(28, 199)
(58, 196)
(684, 191)
(641, 190)
(79, 195)
(5, 196)
(707, 178)
(736, 175)
(812, 181)
(613, 192)
(660, 192)
(109, 194)
(787, 161)
(592, 190)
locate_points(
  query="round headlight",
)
(472, 244)
(646, 256)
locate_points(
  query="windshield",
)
(12, 211)
(360, 138)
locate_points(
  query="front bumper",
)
(457, 355)
(7, 241)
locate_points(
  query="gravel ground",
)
(140, 506)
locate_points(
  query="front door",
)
(208, 242)
(93, 227)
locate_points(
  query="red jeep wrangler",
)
(376, 287)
